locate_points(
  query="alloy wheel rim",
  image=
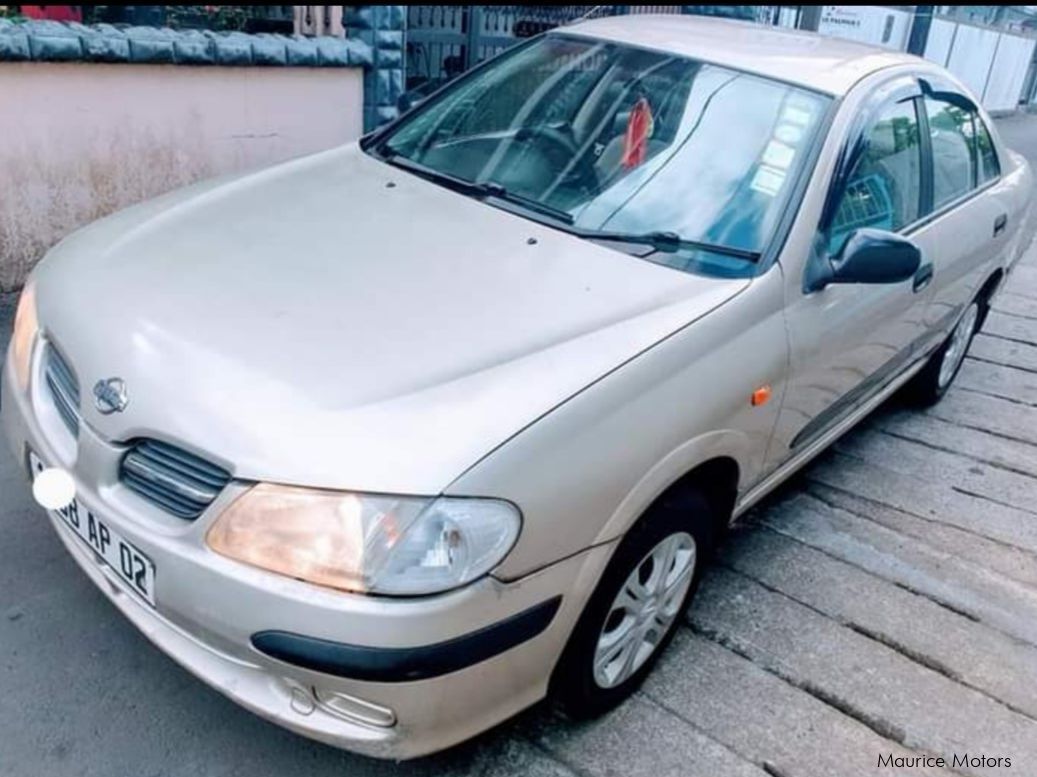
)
(644, 609)
(959, 344)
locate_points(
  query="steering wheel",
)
(565, 149)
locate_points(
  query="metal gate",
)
(445, 40)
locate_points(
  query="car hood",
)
(335, 321)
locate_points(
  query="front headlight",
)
(365, 542)
(26, 327)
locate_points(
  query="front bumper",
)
(209, 611)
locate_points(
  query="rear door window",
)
(951, 138)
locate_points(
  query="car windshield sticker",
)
(777, 154)
(768, 180)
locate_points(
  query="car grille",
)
(63, 387)
(177, 481)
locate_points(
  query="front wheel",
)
(636, 607)
(929, 385)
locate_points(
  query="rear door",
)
(973, 219)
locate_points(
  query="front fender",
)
(584, 473)
(726, 443)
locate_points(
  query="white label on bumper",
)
(132, 566)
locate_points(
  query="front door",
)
(847, 340)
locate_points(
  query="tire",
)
(929, 386)
(582, 683)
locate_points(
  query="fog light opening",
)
(302, 701)
(353, 709)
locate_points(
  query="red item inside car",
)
(639, 129)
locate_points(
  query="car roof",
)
(815, 61)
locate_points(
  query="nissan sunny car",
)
(391, 442)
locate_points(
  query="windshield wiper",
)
(666, 242)
(450, 181)
(477, 189)
(495, 190)
(481, 190)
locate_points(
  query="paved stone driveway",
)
(884, 603)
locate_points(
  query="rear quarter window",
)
(989, 166)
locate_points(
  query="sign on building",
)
(874, 24)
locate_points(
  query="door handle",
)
(923, 277)
(1000, 223)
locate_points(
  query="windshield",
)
(606, 137)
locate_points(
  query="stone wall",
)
(86, 128)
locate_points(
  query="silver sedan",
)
(390, 442)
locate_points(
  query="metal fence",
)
(445, 40)
(246, 18)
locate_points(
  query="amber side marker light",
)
(761, 396)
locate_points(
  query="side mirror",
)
(868, 256)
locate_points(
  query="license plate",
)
(134, 568)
